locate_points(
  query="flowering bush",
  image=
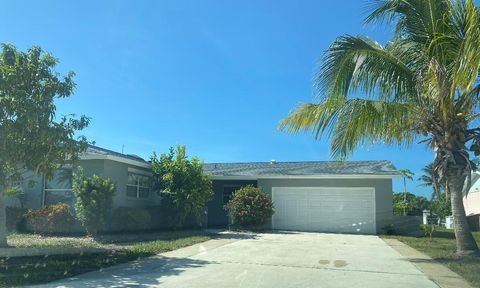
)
(250, 207)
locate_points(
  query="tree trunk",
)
(404, 196)
(3, 221)
(466, 244)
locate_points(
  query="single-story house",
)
(131, 174)
(471, 202)
(330, 196)
(327, 196)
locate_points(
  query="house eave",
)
(115, 158)
(320, 176)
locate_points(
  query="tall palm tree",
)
(406, 175)
(421, 85)
(429, 180)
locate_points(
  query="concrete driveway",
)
(267, 260)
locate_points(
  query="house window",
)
(228, 191)
(58, 189)
(138, 186)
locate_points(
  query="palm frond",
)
(352, 122)
(466, 18)
(425, 81)
(358, 63)
(416, 19)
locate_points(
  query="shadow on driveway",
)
(139, 273)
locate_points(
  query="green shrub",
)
(182, 180)
(441, 206)
(389, 230)
(250, 207)
(93, 200)
(15, 218)
(165, 214)
(56, 218)
(428, 229)
(130, 219)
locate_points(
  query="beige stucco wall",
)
(472, 203)
(383, 192)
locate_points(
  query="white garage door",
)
(324, 209)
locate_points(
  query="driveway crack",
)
(321, 268)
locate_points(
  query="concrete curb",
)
(43, 251)
(438, 273)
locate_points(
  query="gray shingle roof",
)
(382, 167)
(91, 149)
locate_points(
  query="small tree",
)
(250, 207)
(441, 206)
(428, 229)
(32, 137)
(93, 200)
(405, 203)
(182, 181)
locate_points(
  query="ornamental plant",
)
(250, 207)
(181, 181)
(33, 136)
(50, 219)
(93, 200)
(428, 229)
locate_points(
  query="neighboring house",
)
(130, 173)
(327, 196)
(471, 202)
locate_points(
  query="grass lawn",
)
(34, 270)
(441, 248)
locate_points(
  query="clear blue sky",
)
(214, 75)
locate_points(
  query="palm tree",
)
(406, 174)
(421, 85)
(429, 180)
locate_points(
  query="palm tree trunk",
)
(404, 196)
(3, 221)
(466, 244)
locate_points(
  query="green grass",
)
(21, 240)
(35, 270)
(442, 248)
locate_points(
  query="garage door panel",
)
(345, 210)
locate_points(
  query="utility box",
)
(430, 218)
(449, 222)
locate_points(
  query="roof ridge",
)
(307, 161)
(359, 167)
